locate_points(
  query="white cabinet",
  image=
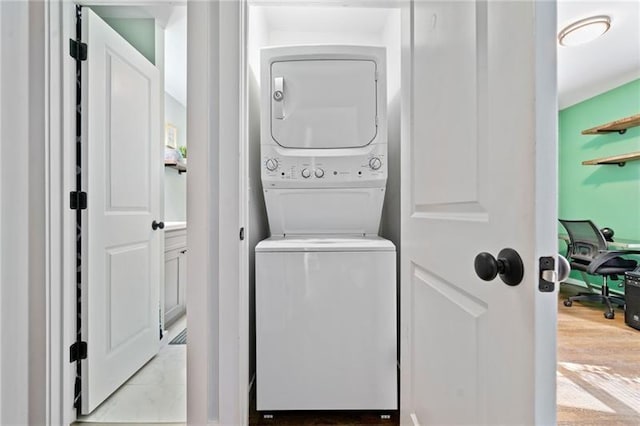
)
(175, 274)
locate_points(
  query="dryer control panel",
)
(366, 169)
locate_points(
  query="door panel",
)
(121, 169)
(455, 85)
(436, 301)
(128, 137)
(128, 290)
(478, 141)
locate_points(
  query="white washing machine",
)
(326, 324)
(325, 281)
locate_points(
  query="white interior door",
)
(122, 165)
(478, 175)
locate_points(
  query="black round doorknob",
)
(155, 225)
(508, 265)
(486, 266)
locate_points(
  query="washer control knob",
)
(319, 173)
(271, 164)
(306, 173)
(375, 163)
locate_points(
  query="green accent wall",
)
(609, 195)
(139, 32)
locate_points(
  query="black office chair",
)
(587, 252)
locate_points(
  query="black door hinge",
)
(78, 351)
(77, 200)
(241, 233)
(78, 50)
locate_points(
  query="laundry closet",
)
(365, 184)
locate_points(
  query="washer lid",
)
(334, 244)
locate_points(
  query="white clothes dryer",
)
(323, 139)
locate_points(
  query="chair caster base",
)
(609, 315)
(568, 303)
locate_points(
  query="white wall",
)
(258, 227)
(175, 184)
(390, 224)
(176, 54)
(257, 37)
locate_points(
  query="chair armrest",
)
(583, 259)
(605, 256)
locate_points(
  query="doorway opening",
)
(337, 24)
(597, 380)
(156, 391)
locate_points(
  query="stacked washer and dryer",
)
(325, 280)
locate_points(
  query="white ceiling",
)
(583, 71)
(610, 61)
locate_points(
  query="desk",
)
(619, 243)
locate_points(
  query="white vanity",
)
(175, 271)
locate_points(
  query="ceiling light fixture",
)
(584, 30)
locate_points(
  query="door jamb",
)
(61, 180)
(216, 313)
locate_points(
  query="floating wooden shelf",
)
(620, 160)
(181, 168)
(619, 126)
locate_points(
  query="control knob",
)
(375, 163)
(306, 173)
(271, 164)
(319, 173)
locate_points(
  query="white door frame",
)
(24, 208)
(217, 356)
(218, 303)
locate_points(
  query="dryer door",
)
(323, 103)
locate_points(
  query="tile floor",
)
(156, 393)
